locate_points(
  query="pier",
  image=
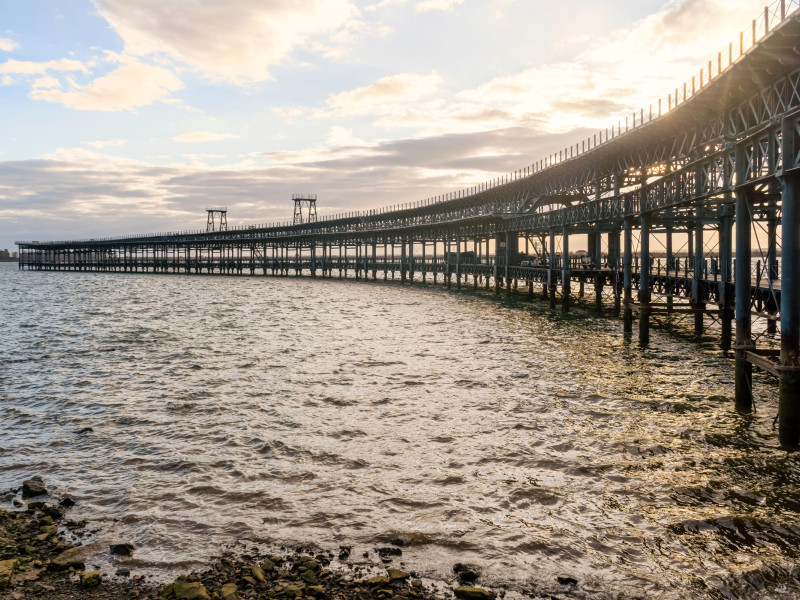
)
(712, 166)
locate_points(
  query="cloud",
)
(103, 143)
(7, 45)
(24, 67)
(385, 95)
(45, 82)
(237, 43)
(203, 136)
(130, 86)
(427, 5)
(613, 76)
(382, 3)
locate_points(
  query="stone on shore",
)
(268, 566)
(33, 487)
(258, 574)
(378, 580)
(7, 568)
(90, 579)
(294, 591)
(69, 558)
(184, 590)
(471, 593)
(309, 576)
(122, 548)
(229, 591)
(466, 575)
(396, 575)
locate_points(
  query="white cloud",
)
(427, 5)
(24, 67)
(104, 143)
(625, 71)
(238, 43)
(382, 3)
(385, 95)
(7, 45)
(204, 136)
(45, 82)
(131, 85)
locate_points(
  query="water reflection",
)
(533, 443)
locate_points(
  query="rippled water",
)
(294, 411)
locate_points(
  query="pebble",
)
(122, 548)
(90, 579)
(7, 569)
(33, 487)
(258, 574)
(229, 591)
(471, 593)
(184, 590)
(69, 558)
(398, 575)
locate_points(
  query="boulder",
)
(378, 580)
(90, 579)
(471, 593)
(33, 487)
(317, 591)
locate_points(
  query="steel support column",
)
(789, 368)
(644, 283)
(565, 274)
(627, 276)
(726, 262)
(698, 296)
(744, 341)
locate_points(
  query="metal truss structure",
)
(720, 165)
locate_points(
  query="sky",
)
(133, 116)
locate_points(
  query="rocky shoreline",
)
(36, 561)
